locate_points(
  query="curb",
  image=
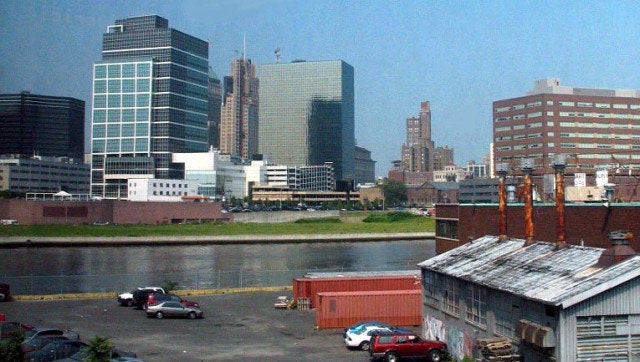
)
(186, 292)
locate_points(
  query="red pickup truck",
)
(393, 346)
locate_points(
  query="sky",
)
(459, 55)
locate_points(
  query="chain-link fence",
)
(199, 279)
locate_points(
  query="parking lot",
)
(236, 327)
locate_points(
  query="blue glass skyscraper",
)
(307, 114)
(150, 99)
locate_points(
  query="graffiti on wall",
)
(460, 343)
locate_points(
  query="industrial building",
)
(548, 301)
(43, 174)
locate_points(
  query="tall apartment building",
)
(442, 157)
(239, 117)
(215, 106)
(150, 99)
(32, 124)
(596, 128)
(417, 152)
(307, 114)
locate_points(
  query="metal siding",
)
(311, 287)
(342, 309)
(623, 299)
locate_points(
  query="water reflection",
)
(85, 269)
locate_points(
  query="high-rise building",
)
(417, 152)
(41, 125)
(150, 99)
(595, 128)
(442, 157)
(239, 120)
(365, 167)
(215, 106)
(307, 115)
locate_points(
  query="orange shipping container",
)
(342, 309)
(311, 287)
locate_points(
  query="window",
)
(567, 104)
(476, 305)
(620, 106)
(585, 104)
(450, 301)
(431, 296)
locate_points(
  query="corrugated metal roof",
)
(539, 272)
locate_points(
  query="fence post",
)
(240, 277)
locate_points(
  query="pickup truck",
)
(128, 298)
(393, 346)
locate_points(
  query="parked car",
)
(156, 298)
(365, 324)
(126, 298)
(55, 350)
(5, 292)
(141, 296)
(393, 346)
(36, 343)
(50, 332)
(361, 338)
(173, 309)
(8, 328)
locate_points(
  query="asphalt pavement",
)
(236, 327)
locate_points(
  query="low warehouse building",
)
(552, 302)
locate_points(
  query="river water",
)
(46, 270)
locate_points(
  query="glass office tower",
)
(150, 99)
(307, 114)
(32, 124)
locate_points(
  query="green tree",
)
(395, 193)
(99, 349)
(10, 349)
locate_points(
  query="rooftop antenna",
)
(277, 53)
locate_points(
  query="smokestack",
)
(501, 170)
(559, 163)
(527, 167)
(619, 251)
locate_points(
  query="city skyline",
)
(459, 56)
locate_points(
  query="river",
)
(47, 270)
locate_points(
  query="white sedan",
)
(361, 338)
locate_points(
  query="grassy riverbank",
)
(394, 222)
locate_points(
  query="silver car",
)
(173, 309)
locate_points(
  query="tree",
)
(10, 349)
(395, 192)
(99, 349)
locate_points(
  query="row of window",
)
(124, 145)
(570, 114)
(568, 104)
(125, 115)
(616, 136)
(116, 130)
(444, 294)
(621, 126)
(126, 70)
(124, 101)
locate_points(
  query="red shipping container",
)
(342, 309)
(310, 287)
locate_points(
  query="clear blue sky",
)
(459, 55)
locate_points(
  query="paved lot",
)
(236, 327)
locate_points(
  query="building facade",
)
(304, 178)
(307, 114)
(43, 174)
(547, 303)
(597, 128)
(239, 120)
(365, 167)
(215, 106)
(150, 99)
(442, 157)
(417, 152)
(32, 124)
(145, 189)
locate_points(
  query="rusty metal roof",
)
(539, 272)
